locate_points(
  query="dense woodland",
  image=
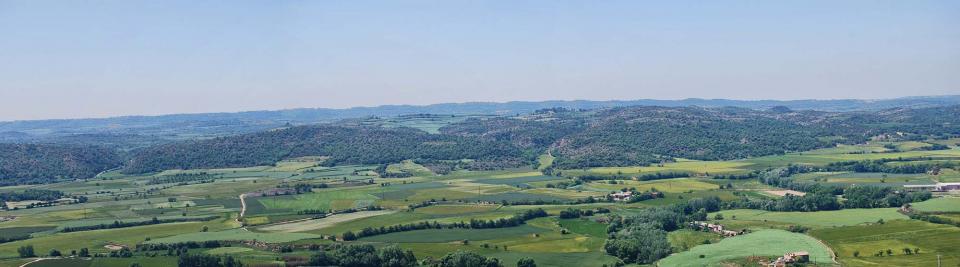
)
(343, 145)
(621, 136)
(38, 163)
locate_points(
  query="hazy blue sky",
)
(68, 59)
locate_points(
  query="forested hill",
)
(185, 126)
(342, 144)
(642, 135)
(578, 138)
(32, 163)
(604, 137)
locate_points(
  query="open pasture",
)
(517, 197)
(931, 239)
(451, 235)
(675, 185)
(585, 226)
(234, 235)
(314, 224)
(15, 232)
(866, 178)
(943, 204)
(409, 167)
(695, 167)
(523, 181)
(456, 209)
(545, 161)
(321, 199)
(769, 243)
(95, 240)
(813, 219)
(684, 239)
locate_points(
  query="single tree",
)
(26, 251)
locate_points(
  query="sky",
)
(77, 59)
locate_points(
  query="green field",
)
(409, 167)
(324, 199)
(814, 219)
(932, 239)
(684, 239)
(768, 243)
(682, 165)
(545, 161)
(235, 234)
(453, 198)
(450, 235)
(944, 204)
(675, 185)
(13, 232)
(585, 226)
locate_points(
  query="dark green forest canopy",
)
(343, 145)
(39, 163)
(639, 135)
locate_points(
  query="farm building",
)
(716, 228)
(792, 257)
(622, 196)
(938, 187)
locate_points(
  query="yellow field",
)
(516, 175)
(676, 185)
(693, 166)
(455, 209)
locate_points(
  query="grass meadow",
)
(768, 243)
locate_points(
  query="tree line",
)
(474, 223)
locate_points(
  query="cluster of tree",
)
(382, 171)
(889, 252)
(361, 255)
(179, 246)
(808, 202)
(640, 196)
(300, 188)
(745, 176)
(462, 258)
(342, 144)
(32, 194)
(425, 203)
(183, 178)
(781, 177)
(45, 197)
(121, 224)
(571, 213)
(45, 163)
(933, 218)
(26, 251)
(120, 253)
(474, 223)
(933, 147)
(441, 167)
(204, 260)
(5, 239)
(823, 197)
(880, 197)
(312, 212)
(642, 238)
(881, 166)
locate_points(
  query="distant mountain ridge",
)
(219, 124)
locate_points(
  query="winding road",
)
(243, 207)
